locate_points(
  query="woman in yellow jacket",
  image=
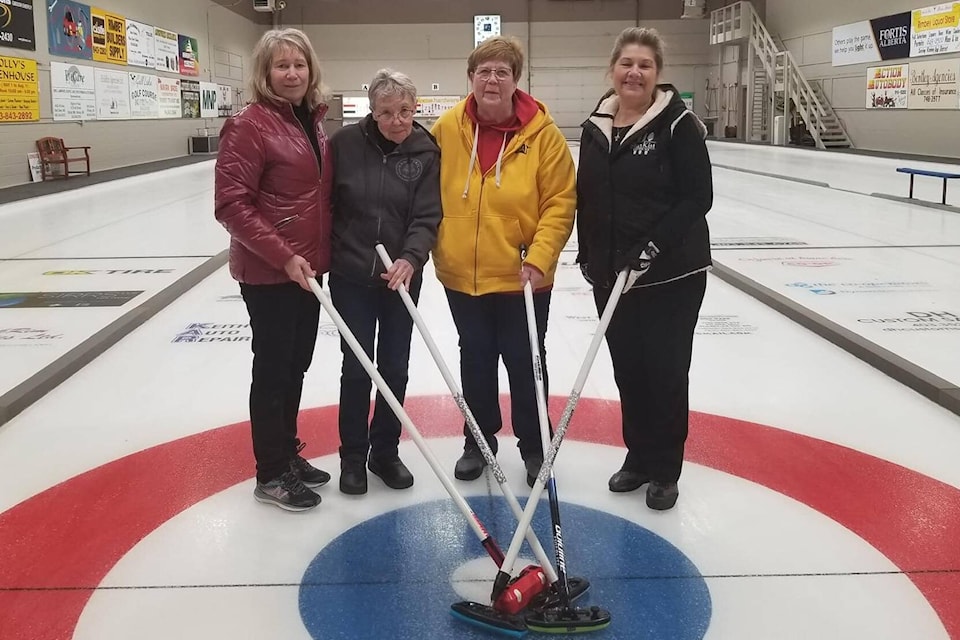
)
(507, 180)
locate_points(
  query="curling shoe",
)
(662, 495)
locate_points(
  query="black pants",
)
(491, 327)
(651, 343)
(364, 308)
(284, 320)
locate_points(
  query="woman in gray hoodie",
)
(386, 191)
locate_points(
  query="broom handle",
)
(544, 420)
(485, 538)
(511, 558)
(511, 498)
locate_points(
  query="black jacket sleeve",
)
(693, 179)
(425, 216)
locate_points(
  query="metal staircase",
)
(777, 86)
(759, 107)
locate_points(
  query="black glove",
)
(638, 261)
(637, 257)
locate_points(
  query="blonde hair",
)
(273, 41)
(504, 48)
(641, 36)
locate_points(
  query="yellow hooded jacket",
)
(528, 197)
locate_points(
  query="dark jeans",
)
(491, 327)
(364, 308)
(651, 343)
(284, 320)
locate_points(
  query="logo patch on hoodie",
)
(409, 169)
(645, 147)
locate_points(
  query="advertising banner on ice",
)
(935, 30)
(189, 55)
(168, 97)
(167, 46)
(933, 85)
(113, 94)
(141, 48)
(887, 87)
(144, 102)
(19, 90)
(73, 91)
(69, 29)
(16, 25)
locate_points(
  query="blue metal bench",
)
(933, 174)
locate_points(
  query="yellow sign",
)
(109, 36)
(938, 17)
(19, 90)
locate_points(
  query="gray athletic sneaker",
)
(287, 492)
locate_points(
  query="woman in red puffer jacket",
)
(273, 181)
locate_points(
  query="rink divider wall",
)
(778, 176)
(41, 383)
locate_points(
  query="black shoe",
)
(662, 495)
(393, 472)
(286, 492)
(533, 469)
(308, 474)
(470, 465)
(626, 480)
(353, 478)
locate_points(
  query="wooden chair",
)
(54, 153)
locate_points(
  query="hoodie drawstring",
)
(473, 159)
(503, 146)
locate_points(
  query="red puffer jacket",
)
(271, 194)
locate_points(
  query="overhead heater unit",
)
(266, 6)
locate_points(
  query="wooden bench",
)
(54, 153)
(933, 174)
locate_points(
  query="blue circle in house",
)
(389, 577)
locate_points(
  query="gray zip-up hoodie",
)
(390, 198)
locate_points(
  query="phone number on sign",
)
(17, 116)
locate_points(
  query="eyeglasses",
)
(502, 75)
(405, 115)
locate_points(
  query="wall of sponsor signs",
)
(83, 92)
(130, 78)
(928, 31)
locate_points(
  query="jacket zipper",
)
(597, 134)
(309, 140)
(476, 242)
(383, 168)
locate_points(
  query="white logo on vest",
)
(645, 147)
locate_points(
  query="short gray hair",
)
(388, 82)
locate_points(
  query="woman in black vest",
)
(644, 187)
